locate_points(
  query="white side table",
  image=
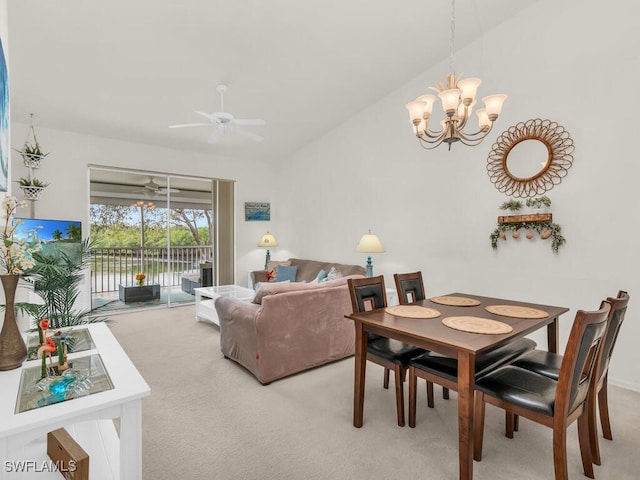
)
(206, 299)
(88, 418)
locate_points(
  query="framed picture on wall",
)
(257, 211)
(4, 122)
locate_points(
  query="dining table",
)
(433, 334)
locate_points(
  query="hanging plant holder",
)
(32, 193)
(31, 160)
(31, 152)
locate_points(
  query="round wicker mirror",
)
(530, 158)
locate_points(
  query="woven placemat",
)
(412, 311)
(516, 311)
(477, 325)
(456, 301)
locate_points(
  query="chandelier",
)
(458, 97)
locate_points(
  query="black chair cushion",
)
(393, 350)
(542, 362)
(447, 367)
(520, 387)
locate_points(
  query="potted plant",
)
(31, 155)
(31, 151)
(57, 277)
(31, 187)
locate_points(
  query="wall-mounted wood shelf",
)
(529, 218)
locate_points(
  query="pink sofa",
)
(292, 327)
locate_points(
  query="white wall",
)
(434, 210)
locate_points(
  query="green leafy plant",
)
(539, 202)
(56, 278)
(545, 229)
(512, 205)
(31, 182)
(29, 149)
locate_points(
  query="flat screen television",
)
(54, 235)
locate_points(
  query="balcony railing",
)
(111, 267)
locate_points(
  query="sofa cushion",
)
(333, 274)
(286, 273)
(321, 276)
(267, 289)
(309, 269)
(272, 269)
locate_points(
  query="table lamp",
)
(267, 241)
(370, 243)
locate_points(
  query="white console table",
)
(89, 419)
(206, 299)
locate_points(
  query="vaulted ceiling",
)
(127, 69)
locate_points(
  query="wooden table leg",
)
(359, 374)
(552, 336)
(466, 386)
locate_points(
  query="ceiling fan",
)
(151, 189)
(224, 121)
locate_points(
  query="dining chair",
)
(555, 404)
(410, 288)
(442, 370)
(548, 364)
(369, 294)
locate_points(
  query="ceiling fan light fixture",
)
(224, 120)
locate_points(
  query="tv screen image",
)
(54, 235)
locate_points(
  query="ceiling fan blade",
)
(251, 135)
(216, 135)
(249, 121)
(210, 116)
(191, 125)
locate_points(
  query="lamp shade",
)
(370, 243)
(268, 240)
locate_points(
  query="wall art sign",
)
(257, 211)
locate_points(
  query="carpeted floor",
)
(207, 418)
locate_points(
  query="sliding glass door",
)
(156, 237)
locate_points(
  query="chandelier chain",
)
(453, 35)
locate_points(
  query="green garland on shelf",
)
(555, 232)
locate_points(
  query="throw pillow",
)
(271, 269)
(286, 273)
(333, 274)
(321, 276)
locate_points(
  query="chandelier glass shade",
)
(458, 97)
